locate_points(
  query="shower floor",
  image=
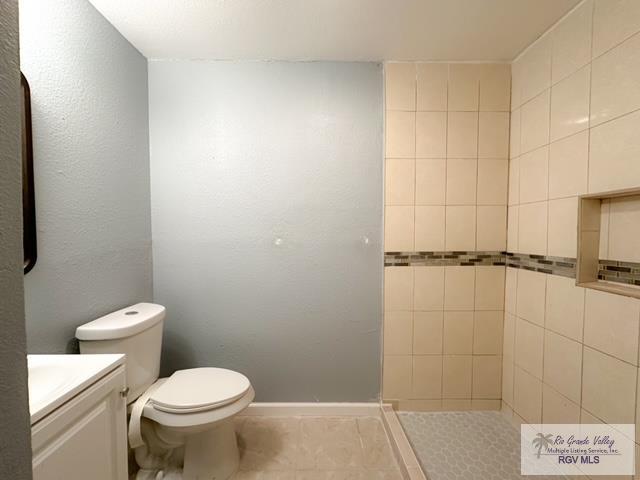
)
(465, 445)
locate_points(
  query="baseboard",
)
(405, 456)
(313, 409)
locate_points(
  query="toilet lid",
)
(199, 389)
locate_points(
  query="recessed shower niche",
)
(609, 242)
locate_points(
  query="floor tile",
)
(269, 443)
(329, 443)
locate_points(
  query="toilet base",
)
(209, 455)
(212, 454)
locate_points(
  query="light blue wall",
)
(91, 160)
(266, 182)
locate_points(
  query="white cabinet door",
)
(86, 438)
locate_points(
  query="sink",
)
(53, 379)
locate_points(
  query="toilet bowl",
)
(180, 427)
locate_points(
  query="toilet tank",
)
(135, 331)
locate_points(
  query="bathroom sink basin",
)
(54, 379)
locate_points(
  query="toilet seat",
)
(198, 390)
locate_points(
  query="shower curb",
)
(405, 456)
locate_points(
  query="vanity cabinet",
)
(86, 437)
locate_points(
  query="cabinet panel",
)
(85, 438)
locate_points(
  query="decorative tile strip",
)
(619, 272)
(453, 258)
(563, 266)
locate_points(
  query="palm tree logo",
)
(541, 441)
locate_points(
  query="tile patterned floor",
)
(314, 448)
(490, 445)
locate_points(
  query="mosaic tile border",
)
(451, 258)
(610, 270)
(563, 266)
(619, 272)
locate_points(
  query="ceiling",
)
(333, 29)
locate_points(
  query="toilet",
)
(180, 427)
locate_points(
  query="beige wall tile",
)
(458, 333)
(624, 223)
(568, 159)
(462, 135)
(507, 380)
(514, 134)
(493, 176)
(487, 333)
(532, 228)
(460, 233)
(427, 377)
(428, 288)
(534, 124)
(431, 134)
(563, 227)
(398, 288)
(396, 376)
(572, 42)
(563, 365)
(493, 136)
(456, 376)
(399, 181)
(398, 333)
(531, 296)
(608, 387)
(487, 376)
(456, 405)
(565, 307)
(570, 104)
(512, 228)
(514, 182)
(558, 409)
(431, 178)
(611, 324)
(495, 87)
(400, 86)
(459, 288)
(517, 74)
(399, 229)
(509, 336)
(614, 21)
(616, 82)
(427, 333)
(491, 228)
(461, 181)
(527, 396)
(486, 405)
(429, 228)
(464, 86)
(432, 405)
(529, 347)
(490, 288)
(534, 175)
(604, 229)
(432, 86)
(613, 154)
(588, 419)
(510, 290)
(401, 134)
(536, 75)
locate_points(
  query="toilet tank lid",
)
(122, 323)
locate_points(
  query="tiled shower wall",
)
(571, 354)
(447, 134)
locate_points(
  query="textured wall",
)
(15, 449)
(91, 148)
(266, 179)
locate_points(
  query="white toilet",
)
(180, 426)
